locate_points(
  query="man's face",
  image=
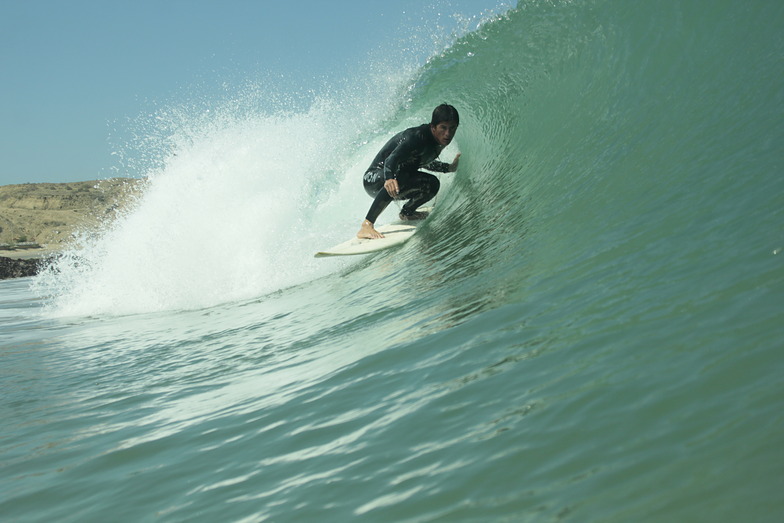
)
(444, 132)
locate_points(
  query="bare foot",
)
(368, 231)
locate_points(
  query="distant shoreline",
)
(35, 253)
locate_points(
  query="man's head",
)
(444, 123)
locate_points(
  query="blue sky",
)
(72, 70)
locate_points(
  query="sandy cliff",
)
(47, 214)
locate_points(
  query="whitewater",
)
(587, 327)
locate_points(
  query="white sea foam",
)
(236, 209)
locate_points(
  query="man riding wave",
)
(394, 172)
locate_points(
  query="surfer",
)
(395, 175)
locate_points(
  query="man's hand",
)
(453, 165)
(392, 188)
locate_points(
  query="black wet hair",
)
(444, 113)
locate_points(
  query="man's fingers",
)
(392, 188)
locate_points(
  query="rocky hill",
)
(47, 214)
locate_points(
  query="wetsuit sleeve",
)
(404, 150)
(439, 167)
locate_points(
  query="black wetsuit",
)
(401, 158)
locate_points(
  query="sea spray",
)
(231, 213)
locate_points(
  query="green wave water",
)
(586, 328)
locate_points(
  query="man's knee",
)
(432, 186)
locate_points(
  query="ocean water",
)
(587, 328)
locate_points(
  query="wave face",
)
(601, 137)
(587, 327)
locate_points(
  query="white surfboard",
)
(394, 233)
